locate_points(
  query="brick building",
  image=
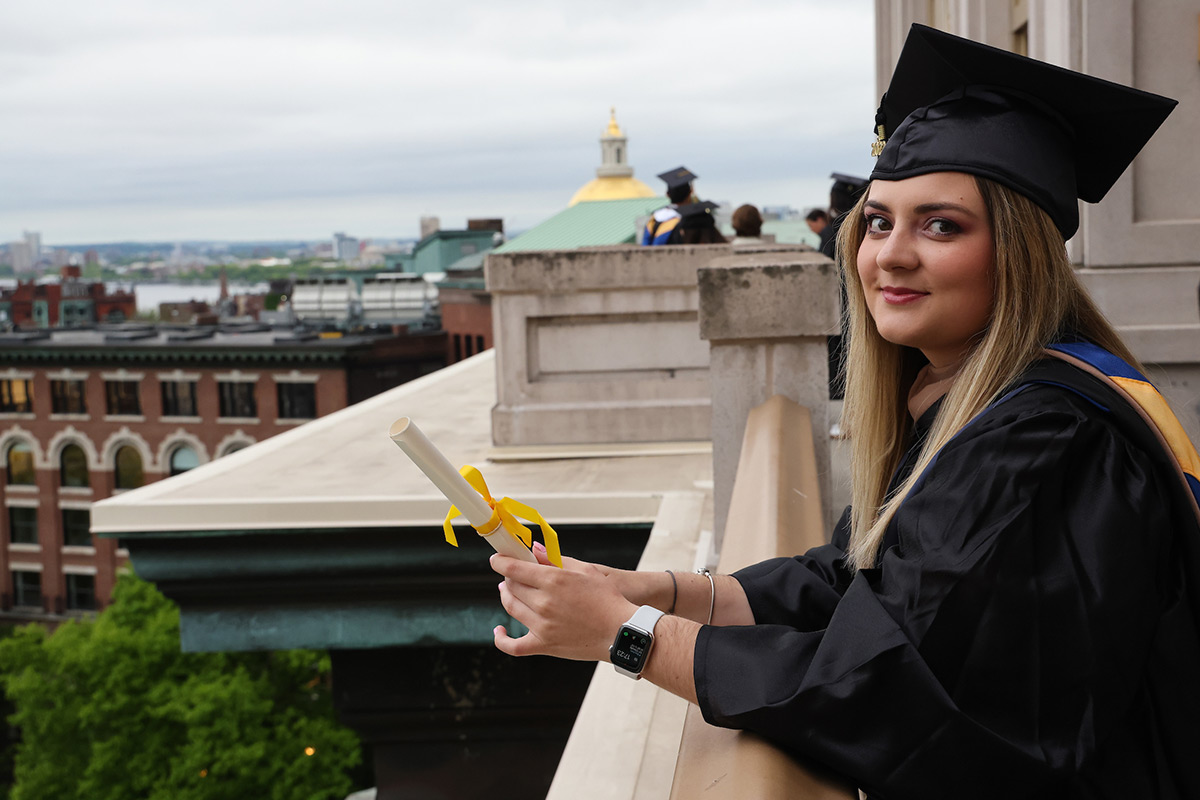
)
(70, 302)
(86, 414)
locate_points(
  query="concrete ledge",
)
(767, 317)
(626, 736)
(777, 504)
(603, 344)
(624, 422)
(597, 268)
(768, 295)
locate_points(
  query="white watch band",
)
(646, 617)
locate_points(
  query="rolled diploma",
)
(409, 438)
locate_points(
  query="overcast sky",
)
(258, 119)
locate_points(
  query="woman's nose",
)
(898, 252)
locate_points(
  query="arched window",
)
(20, 464)
(233, 448)
(129, 468)
(73, 466)
(183, 459)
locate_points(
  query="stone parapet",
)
(767, 317)
(599, 345)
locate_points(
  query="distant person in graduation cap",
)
(1009, 608)
(843, 194)
(663, 221)
(697, 225)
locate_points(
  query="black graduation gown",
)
(1030, 629)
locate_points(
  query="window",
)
(16, 396)
(81, 592)
(297, 400)
(183, 459)
(20, 464)
(237, 399)
(128, 468)
(67, 397)
(76, 524)
(22, 525)
(179, 399)
(73, 466)
(27, 588)
(233, 448)
(121, 398)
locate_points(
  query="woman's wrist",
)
(645, 588)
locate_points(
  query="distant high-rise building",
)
(430, 226)
(22, 257)
(345, 248)
(34, 240)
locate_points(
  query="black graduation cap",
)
(677, 177)
(850, 183)
(1049, 133)
(845, 191)
(693, 212)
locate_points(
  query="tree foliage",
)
(110, 709)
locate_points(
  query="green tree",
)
(110, 709)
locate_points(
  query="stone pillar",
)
(767, 318)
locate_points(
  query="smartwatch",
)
(631, 649)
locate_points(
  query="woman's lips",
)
(896, 295)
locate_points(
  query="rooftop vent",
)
(191, 335)
(130, 335)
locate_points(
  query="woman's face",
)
(926, 263)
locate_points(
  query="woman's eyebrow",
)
(925, 208)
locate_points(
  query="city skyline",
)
(139, 122)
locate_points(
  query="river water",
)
(149, 295)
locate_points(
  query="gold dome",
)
(612, 189)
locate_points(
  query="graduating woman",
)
(1009, 608)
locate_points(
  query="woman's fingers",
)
(526, 645)
(571, 613)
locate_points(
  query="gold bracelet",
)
(712, 598)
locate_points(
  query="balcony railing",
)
(774, 510)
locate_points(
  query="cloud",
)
(186, 109)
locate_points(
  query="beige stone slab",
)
(626, 736)
(342, 471)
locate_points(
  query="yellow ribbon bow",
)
(505, 512)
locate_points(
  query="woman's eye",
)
(943, 227)
(877, 224)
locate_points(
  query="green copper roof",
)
(586, 224)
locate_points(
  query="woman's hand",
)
(573, 612)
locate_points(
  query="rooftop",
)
(188, 340)
(342, 471)
(587, 224)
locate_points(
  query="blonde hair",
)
(1038, 300)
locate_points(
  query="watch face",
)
(630, 649)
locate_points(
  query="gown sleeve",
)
(998, 647)
(803, 591)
